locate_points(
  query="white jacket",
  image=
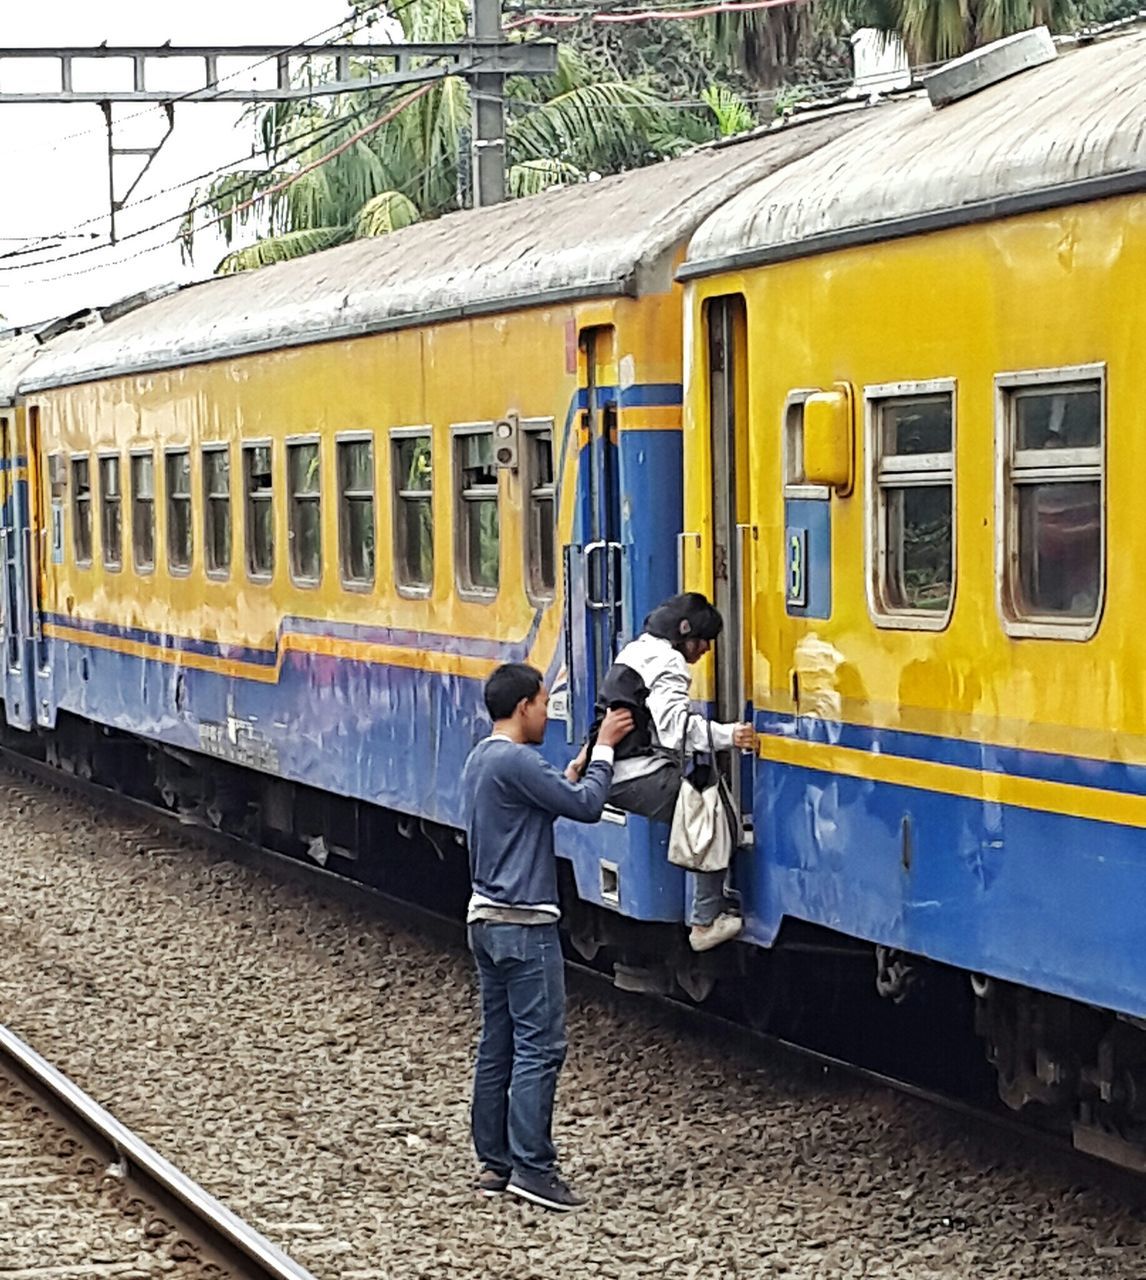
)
(668, 679)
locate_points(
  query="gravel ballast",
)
(310, 1067)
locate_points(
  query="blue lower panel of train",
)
(391, 735)
(969, 881)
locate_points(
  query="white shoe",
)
(703, 937)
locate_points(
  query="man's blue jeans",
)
(522, 1046)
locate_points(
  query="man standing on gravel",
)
(512, 797)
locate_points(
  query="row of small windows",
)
(477, 496)
(1049, 496)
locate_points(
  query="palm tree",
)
(935, 30)
(347, 184)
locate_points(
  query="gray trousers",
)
(653, 795)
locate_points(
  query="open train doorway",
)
(732, 533)
(595, 562)
(15, 549)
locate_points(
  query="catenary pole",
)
(488, 92)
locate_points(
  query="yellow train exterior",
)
(264, 538)
(919, 354)
(288, 522)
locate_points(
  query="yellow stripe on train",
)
(972, 784)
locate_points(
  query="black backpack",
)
(623, 687)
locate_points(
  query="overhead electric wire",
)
(255, 199)
(660, 14)
(317, 135)
(356, 25)
(370, 15)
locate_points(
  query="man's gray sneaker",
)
(546, 1190)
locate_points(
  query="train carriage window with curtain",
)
(912, 529)
(356, 525)
(1051, 425)
(82, 510)
(478, 517)
(177, 474)
(412, 465)
(143, 511)
(258, 489)
(111, 511)
(538, 482)
(305, 511)
(217, 509)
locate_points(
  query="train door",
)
(14, 543)
(732, 533)
(39, 481)
(595, 565)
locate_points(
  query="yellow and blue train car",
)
(914, 431)
(290, 521)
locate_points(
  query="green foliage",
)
(331, 184)
(731, 112)
(936, 30)
(384, 213)
(280, 248)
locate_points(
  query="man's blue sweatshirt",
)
(512, 796)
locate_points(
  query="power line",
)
(312, 138)
(357, 24)
(661, 14)
(363, 19)
(255, 199)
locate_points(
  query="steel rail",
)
(217, 1227)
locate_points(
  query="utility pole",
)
(487, 89)
(484, 60)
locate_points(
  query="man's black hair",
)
(688, 616)
(507, 686)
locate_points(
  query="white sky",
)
(54, 180)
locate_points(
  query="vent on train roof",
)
(988, 65)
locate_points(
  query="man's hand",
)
(744, 737)
(616, 725)
(575, 768)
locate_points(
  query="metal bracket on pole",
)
(113, 152)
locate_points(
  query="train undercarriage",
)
(1068, 1066)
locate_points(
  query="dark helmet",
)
(688, 616)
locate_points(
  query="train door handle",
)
(682, 541)
(745, 536)
(610, 580)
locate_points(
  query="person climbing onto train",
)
(651, 678)
(512, 796)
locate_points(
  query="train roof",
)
(1070, 130)
(22, 349)
(617, 236)
(17, 351)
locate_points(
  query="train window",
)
(412, 459)
(356, 527)
(82, 510)
(305, 514)
(111, 512)
(143, 511)
(217, 509)
(911, 447)
(538, 483)
(177, 474)
(478, 524)
(258, 485)
(1051, 471)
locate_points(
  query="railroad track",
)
(151, 820)
(85, 1197)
